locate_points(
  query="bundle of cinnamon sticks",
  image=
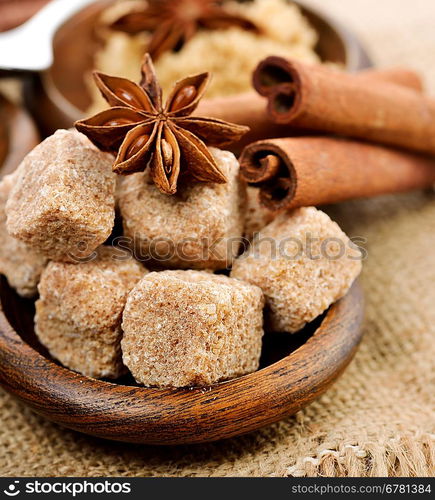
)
(322, 136)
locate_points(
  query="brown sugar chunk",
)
(62, 204)
(191, 328)
(21, 265)
(78, 314)
(198, 228)
(256, 216)
(303, 262)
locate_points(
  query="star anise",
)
(174, 22)
(141, 131)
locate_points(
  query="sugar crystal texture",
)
(62, 204)
(78, 314)
(21, 265)
(191, 328)
(257, 216)
(198, 228)
(303, 262)
(231, 58)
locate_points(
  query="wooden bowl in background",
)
(59, 97)
(18, 135)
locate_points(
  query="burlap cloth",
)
(379, 418)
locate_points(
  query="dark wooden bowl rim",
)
(176, 416)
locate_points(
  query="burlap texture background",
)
(379, 418)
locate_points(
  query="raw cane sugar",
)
(78, 314)
(62, 205)
(198, 228)
(191, 328)
(303, 262)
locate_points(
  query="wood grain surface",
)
(176, 416)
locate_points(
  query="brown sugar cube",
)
(256, 216)
(303, 262)
(21, 265)
(191, 328)
(78, 314)
(198, 228)
(62, 204)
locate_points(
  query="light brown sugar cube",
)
(191, 328)
(78, 314)
(256, 216)
(303, 262)
(21, 265)
(62, 204)
(198, 228)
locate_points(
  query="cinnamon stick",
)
(247, 109)
(304, 171)
(318, 98)
(250, 108)
(397, 75)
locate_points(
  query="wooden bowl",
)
(59, 96)
(18, 135)
(296, 370)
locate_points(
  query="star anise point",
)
(143, 132)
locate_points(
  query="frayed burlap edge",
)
(404, 456)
